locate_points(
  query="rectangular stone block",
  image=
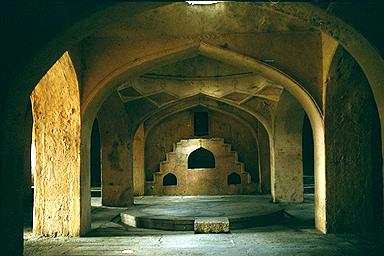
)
(211, 225)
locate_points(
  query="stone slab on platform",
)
(211, 225)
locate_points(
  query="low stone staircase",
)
(222, 149)
(204, 180)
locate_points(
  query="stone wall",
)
(265, 161)
(56, 137)
(287, 176)
(202, 181)
(138, 162)
(116, 153)
(353, 155)
(161, 138)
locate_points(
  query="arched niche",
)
(178, 117)
(170, 180)
(234, 179)
(201, 158)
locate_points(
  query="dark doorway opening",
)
(169, 180)
(308, 156)
(234, 178)
(95, 161)
(201, 158)
(201, 123)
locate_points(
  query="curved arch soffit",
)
(93, 102)
(363, 52)
(369, 59)
(114, 79)
(196, 103)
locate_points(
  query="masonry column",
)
(138, 162)
(116, 153)
(264, 159)
(56, 138)
(287, 176)
(353, 150)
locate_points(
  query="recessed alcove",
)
(170, 180)
(202, 167)
(201, 158)
(234, 179)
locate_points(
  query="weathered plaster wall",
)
(202, 181)
(116, 153)
(265, 161)
(354, 177)
(56, 129)
(296, 53)
(329, 46)
(138, 162)
(287, 177)
(180, 126)
(241, 139)
(161, 138)
(366, 17)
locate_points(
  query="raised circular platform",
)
(179, 212)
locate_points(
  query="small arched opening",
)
(234, 178)
(169, 180)
(201, 158)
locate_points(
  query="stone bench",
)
(211, 225)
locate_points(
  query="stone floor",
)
(292, 236)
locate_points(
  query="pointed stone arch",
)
(234, 179)
(365, 54)
(246, 118)
(170, 180)
(201, 158)
(109, 83)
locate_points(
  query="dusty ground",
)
(292, 236)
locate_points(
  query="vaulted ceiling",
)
(202, 76)
(253, 30)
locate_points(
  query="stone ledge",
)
(211, 225)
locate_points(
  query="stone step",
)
(187, 213)
(309, 189)
(308, 179)
(95, 191)
(227, 148)
(206, 225)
